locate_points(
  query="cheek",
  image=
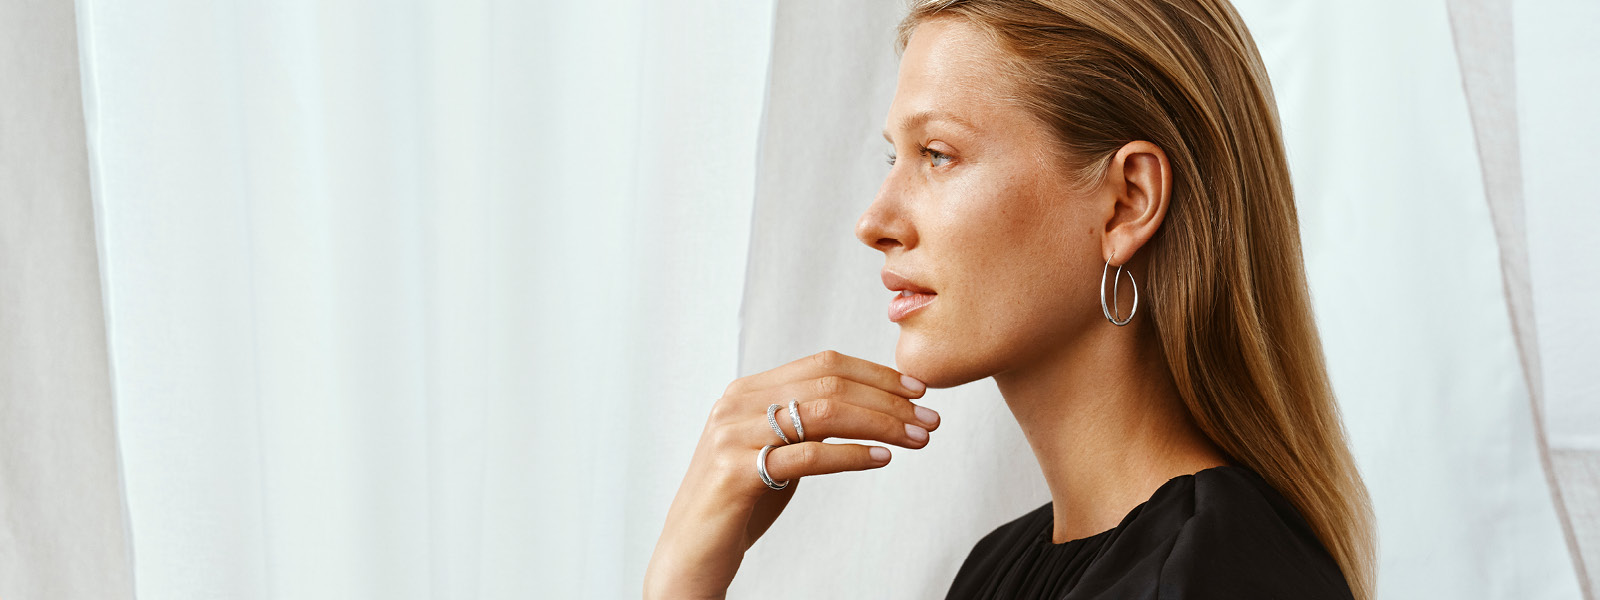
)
(1007, 289)
(1013, 257)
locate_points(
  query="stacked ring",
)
(794, 414)
(761, 468)
(772, 420)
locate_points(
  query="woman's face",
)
(977, 211)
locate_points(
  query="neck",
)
(1107, 425)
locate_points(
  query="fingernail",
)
(926, 415)
(916, 433)
(879, 454)
(912, 384)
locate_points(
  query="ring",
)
(761, 468)
(773, 421)
(794, 414)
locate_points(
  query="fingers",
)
(828, 418)
(874, 413)
(817, 458)
(841, 396)
(830, 363)
(866, 396)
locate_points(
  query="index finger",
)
(829, 362)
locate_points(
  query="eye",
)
(936, 158)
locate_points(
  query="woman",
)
(1181, 415)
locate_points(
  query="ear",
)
(1137, 187)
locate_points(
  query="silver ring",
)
(761, 468)
(794, 415)
(772, 420)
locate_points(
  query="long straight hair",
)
(1227, 283)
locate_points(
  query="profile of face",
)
(978, 211)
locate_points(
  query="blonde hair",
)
(1227, 283)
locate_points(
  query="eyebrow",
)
(920, 118)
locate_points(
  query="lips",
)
(906, 303)
(911, 297)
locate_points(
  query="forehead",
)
(948, 74)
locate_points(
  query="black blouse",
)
(1220, 533)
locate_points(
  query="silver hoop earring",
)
(1114, 281)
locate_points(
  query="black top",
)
(1220, 533)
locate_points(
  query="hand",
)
(722, 507)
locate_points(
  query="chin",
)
(936, 364)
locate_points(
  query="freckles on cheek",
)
(991, 223)
(975, 254)
(996, 233)
(1009, 254)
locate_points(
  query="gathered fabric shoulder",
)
(1220, 533)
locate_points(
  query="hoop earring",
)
(1114, 281)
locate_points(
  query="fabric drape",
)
(1557, 133)
(418, 299)
(62, 528)
(1486, 49)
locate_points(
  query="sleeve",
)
(1243, 544)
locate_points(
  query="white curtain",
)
(418, 299)
(430, 299)
(62, 528)
(1486, 48)
(1557, 79)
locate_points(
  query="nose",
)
(884, 226)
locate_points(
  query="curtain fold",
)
(1486, 50)
(1558, 133)
(417, 299)
(63, 526)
